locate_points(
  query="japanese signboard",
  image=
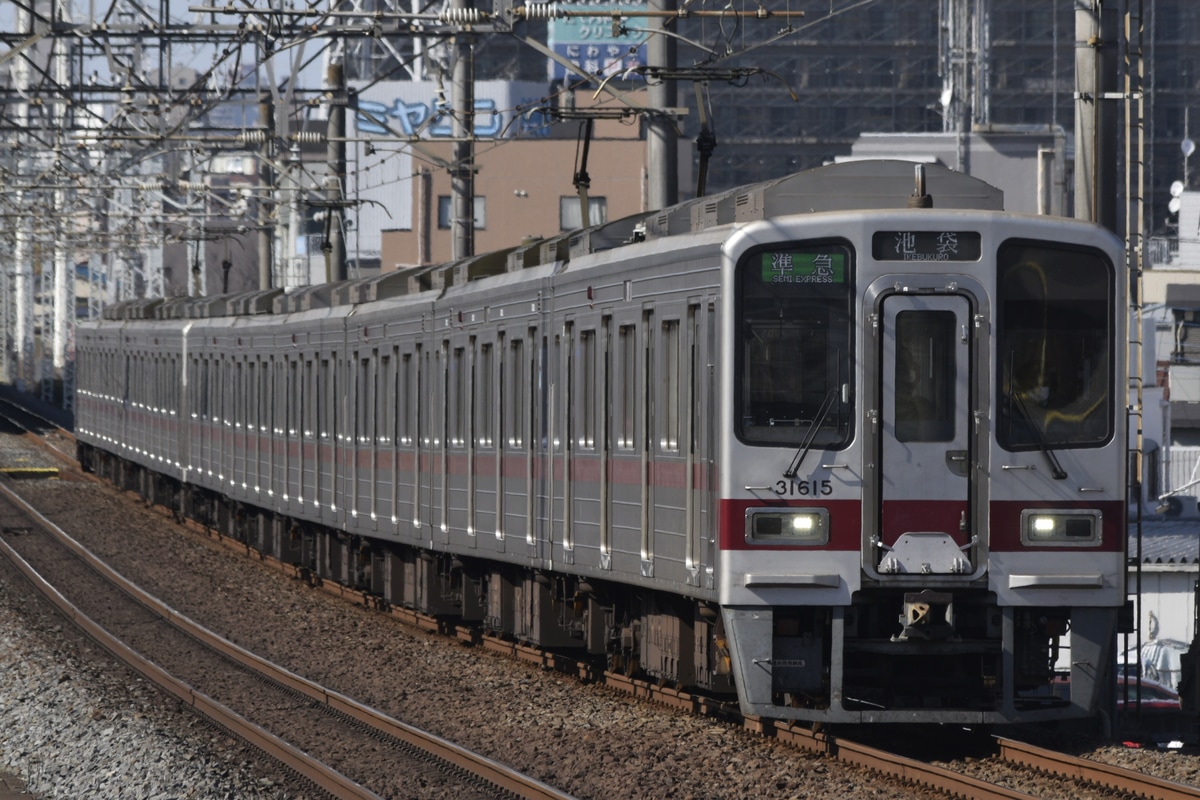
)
(793, 268)
(589, 43)
(926, 246)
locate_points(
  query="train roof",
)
(848, 186)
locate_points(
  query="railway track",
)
(1078, 777)
(1125, 781)
(342, 747)
(1101, 779)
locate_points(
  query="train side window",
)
(383, 400)
(516, 394)
(193, 379)
(1055, 327)
(485, 398)
(499, 433)
(329, 395)
(669, 418)
(215, 386)
(362, 412)
(284, 389)
(586, 389)
(321, 378)
(248, 375)
(255, 370)
(405, 390)
(250, 383)
(205, 389)
(278, 392)
(234, 394)
(262, 393)
(309, 407)
(229, 394)
(239, 407)
(295, 392)
(564, 346)
(793, 363)
(371, 427)
(456, 407)
(266, 418)
(625, 394)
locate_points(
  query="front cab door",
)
(925, 426)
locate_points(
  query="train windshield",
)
(793, 375)
(1054, 346)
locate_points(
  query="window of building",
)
(571, 218)
(446, 212)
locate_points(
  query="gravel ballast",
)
(72, 726)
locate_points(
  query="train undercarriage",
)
(891, 655)
(636, 632)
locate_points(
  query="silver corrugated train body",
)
(851, 456)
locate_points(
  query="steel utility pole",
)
(462, 171)
(1097, 33)
(662, 145)
(266, 189)
(335, 240)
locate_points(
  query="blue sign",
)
(432, 119)
(589, 43)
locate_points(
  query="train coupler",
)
(927, 615)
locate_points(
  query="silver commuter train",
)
(849, 446)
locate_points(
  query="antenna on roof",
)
(918, 199)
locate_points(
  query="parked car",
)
(1154, 695)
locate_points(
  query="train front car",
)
(923, 465)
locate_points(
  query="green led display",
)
(803, 268)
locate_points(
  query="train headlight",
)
(805, 526)
(1078, 527)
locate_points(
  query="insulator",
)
(308, 137)
(252, 137)
(543, 11)
(462, 16)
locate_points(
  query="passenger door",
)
(925, 433)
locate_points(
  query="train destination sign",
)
(803, 268)
(926, 246)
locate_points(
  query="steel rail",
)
(1094, 772)
(486, 769)
(890, 764)
(911, 770)
(326, 779)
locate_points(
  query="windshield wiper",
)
(1056, 469)
(811, 434)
